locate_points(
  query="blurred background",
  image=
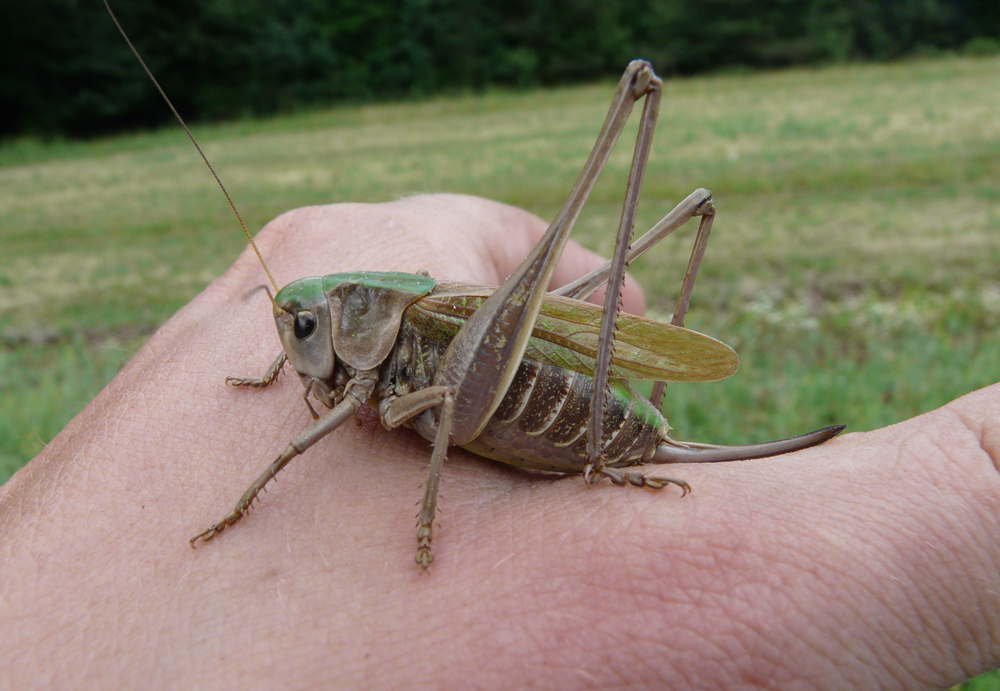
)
(852, 147)
(66, 71)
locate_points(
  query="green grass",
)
(854, 261)
(853, 264)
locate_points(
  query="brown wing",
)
(567, 332)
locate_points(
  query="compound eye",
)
(305, 324)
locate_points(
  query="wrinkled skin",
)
(872, 561)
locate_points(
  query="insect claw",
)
(204, 536)
(593, 474)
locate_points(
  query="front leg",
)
(312, 434)
(262, 382)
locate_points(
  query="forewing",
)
(567, 333)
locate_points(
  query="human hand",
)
(871, 561)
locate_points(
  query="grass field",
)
(853, 265)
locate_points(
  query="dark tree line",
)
(65, 70)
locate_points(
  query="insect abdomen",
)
(541, 423)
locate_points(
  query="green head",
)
(302, 315)
(353, 317)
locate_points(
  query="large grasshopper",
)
(534, 379)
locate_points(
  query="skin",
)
(869, 562)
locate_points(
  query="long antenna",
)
(193, 141)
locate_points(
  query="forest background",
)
(67, 72)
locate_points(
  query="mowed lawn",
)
(853, 265)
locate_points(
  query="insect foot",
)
(207, 535)
(239, 511)
(424, 555)
(621, 478)
(261, 382)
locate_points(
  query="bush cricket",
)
(530, 378)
